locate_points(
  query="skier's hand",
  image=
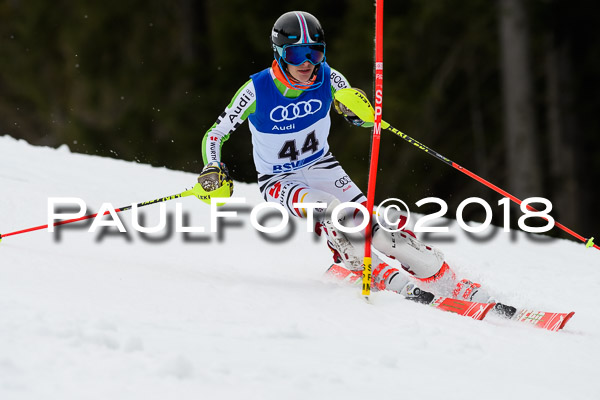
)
(348, 114)
(214, 175)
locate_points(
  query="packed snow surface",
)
(231, 315)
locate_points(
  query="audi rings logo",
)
(295, 110)
(343, 181)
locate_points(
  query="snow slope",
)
(238, 317)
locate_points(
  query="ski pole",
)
(195, 191)
(360, 105)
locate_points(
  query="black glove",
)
(214, 175)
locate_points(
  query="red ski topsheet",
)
(544, 320)
(470, 309)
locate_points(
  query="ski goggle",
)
(298, 54)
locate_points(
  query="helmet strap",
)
(315, 71)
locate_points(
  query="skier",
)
(287, 106)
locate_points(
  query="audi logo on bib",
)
(295, 110)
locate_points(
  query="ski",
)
(470, 309)
(465, 308)
(542, 319)
(545, 320)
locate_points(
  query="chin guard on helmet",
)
(224, 191)
(348, 114)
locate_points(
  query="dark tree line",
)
(507, 88)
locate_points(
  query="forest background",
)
(505, 88)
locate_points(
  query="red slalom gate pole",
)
(367, 267)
